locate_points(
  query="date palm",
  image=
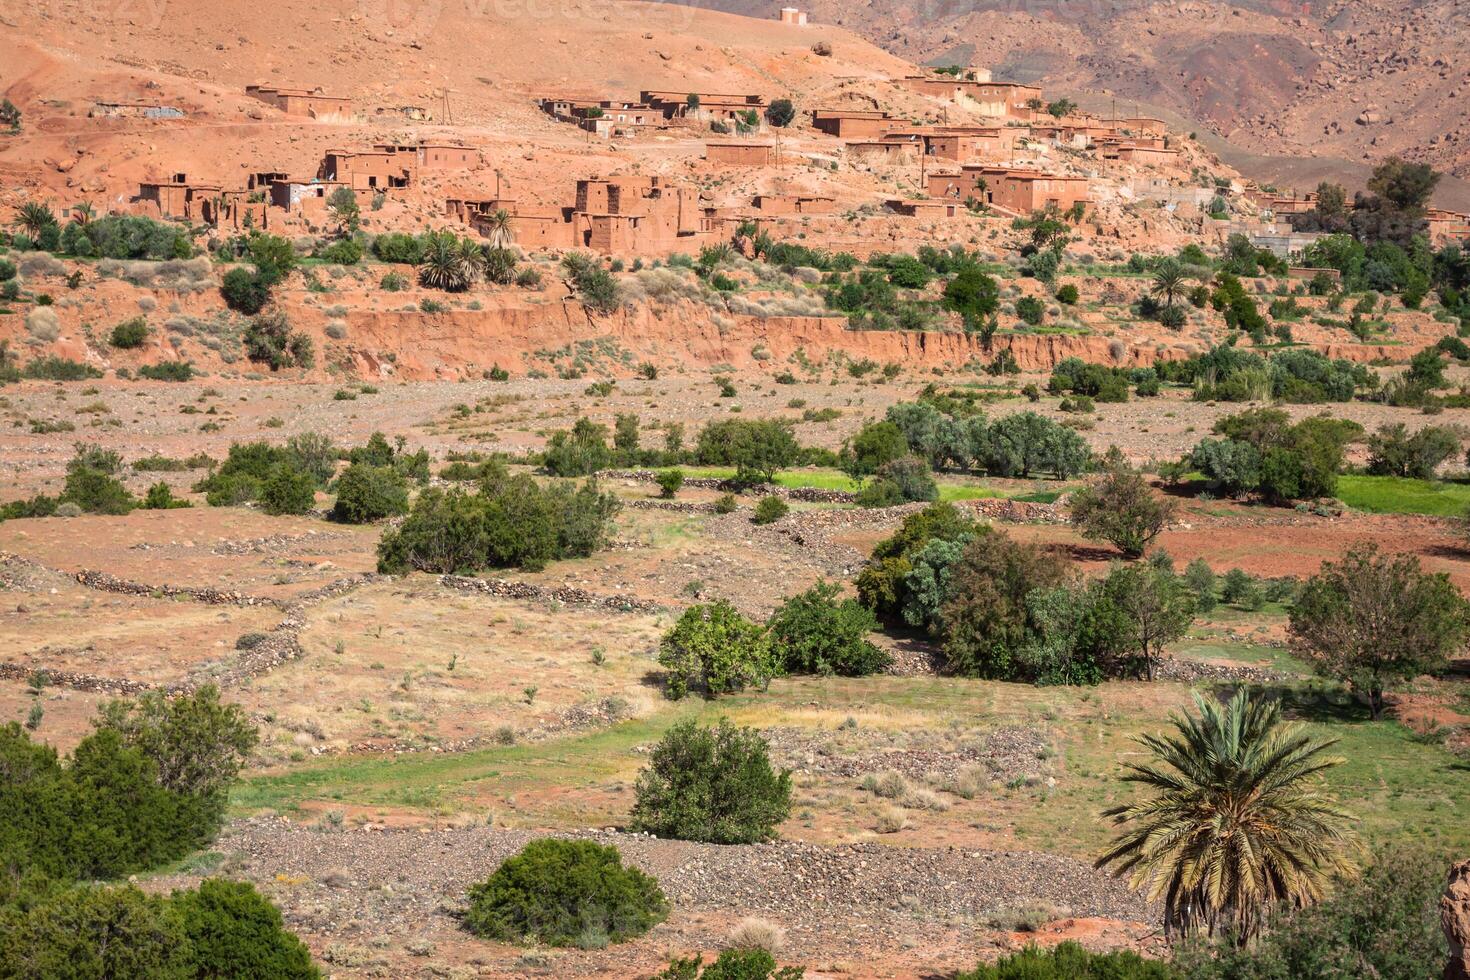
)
(83, 212)
(1235, 822)
(34, 216)
(1170, 281)
(450, 263)
(498, 227)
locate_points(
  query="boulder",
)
(1454, 918)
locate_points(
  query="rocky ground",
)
(370, 898)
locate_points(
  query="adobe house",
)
(778, 204)
(1447, 227)
(1142, 125)
(792, 16)
(177, 197)
(886, 152)
(924, 208)
(304, 197)
(1132, 152)
(740, 154)
(425, 155)
(962, 143)
(1017, 191)
(854, 124)
(720, 106)
(610, 117)
(1309, 273)
(236, 210)
(1003, 99)
(262, 180)
(365, 169)
(313, 103)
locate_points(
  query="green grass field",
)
(1401, 786)
(1400, 495)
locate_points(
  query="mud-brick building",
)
(1448, 227)
(721, 106)
(313, 102)
(177, 196)
(854, 124)
(1015, 190)
(779, 204)
(1007, 100)
(738, 153)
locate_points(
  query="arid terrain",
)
(418, 727)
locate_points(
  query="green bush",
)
(900, 481)
(770, 509)
(269, 340)
(757, 448)
(1384, 924)
(232, 930)
(53, 368)
(565, 893)
(726, 504)
(1069, 961)
(161, 497)
(669, 483)
(985, 620)
(398, 247)
(1068, 295)
(880, 585)
(96, 492)
(731, 964)
(715, 650)
(287, 490)
(130, 334)
(1031, 310)
(715, 785)
(815, 633)
(167, 371)
(369, 493)
(245, 290)
(580, 451)
(87, 932)
(510, 522)
(874, 445)
(343, 251)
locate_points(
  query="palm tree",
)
(498, 228)
(34, 216)
(83, 212)
(450, 263)
(1169, 281)
(1235, 823)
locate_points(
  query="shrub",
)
(757, 448)
(269, 339)
(398, 247)
(130, 334)
(669, 483)
(87, 932)
(900, 481)
(161, 497)
(1393, 452)
(1068, 295)
(874, 444)
(814, 633)
(715, 785)
(582, 451)
(1069, 961)
(565, 893)
(882, 584)
(53, 368)
(770, 509)
(369, 493)
(985, 620)
(245, 290)
(231, 930)
(287, 490)
(736, 964)
(1384, 924)
(511, 522)
(714, 649)
(1031, 310)
(96, 492)
(1122, 509)
(343, 251)
(167, 371)
(726, 504)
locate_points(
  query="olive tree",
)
(1369, 620)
